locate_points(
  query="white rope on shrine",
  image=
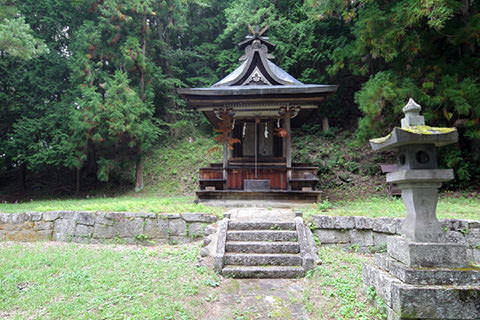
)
(244, 129)
(233, 124)
(266, 131)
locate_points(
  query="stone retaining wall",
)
(97, 227)
(370, 233)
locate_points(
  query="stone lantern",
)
(422, 276)
(418, 175)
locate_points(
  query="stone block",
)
(42, 225)
(7, 227)
(63, 229)
(476, 255)
(19, 218)
(362, 238)
(43, 235)
(344, 222)
(211, 229)
(171, 216)
(177, 227)
(423, 301)
(332, 236)
(330, 222)
(103, 218)
(84, 240)
(51, 215)
(21, 235)
(196, 229)
(364, 223)
(378, 280)
(149, 215)
(103, 231)
(387, 225)
(454, 237)
(380, 239)
(323, 222)
(472, 237)
(85, 218)
(473, 224)
(179, 240)
(4, 218)
(27, 225)
(456, 224)
(156, 228)
(129, 227)
(428, 276)
(427, 255)
(82, 230)
(36, 216)
(198, 217)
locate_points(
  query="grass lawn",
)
(334, 289)
(71, 281)
(117, 204)
(449, 207)
(48, 280)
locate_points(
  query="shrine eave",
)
(259, 90)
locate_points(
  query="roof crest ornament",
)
(256, 41)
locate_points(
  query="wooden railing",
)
(302, 176)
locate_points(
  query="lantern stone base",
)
(427, 254)
(420, 292)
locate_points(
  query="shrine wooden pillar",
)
(288, 149)
(225, 163)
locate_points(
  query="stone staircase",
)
(261, 249)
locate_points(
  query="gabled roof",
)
(257, 82)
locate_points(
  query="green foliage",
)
(65, 63)
(17, 40)
(412, 48)
(120, 122)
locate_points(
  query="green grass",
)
(47, 280)
(449, 207)
(125, 203)
(334, 290)
(71, 281)
(173, 169)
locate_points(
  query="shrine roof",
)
(258, 76)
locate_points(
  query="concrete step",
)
(261, 235)
(263, 271)
(263, 225)
(262, 247)
(262, 259)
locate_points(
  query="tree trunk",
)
(77, 181)
(325, 125)
(139, 163)
(139, 174)
(23, 178)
